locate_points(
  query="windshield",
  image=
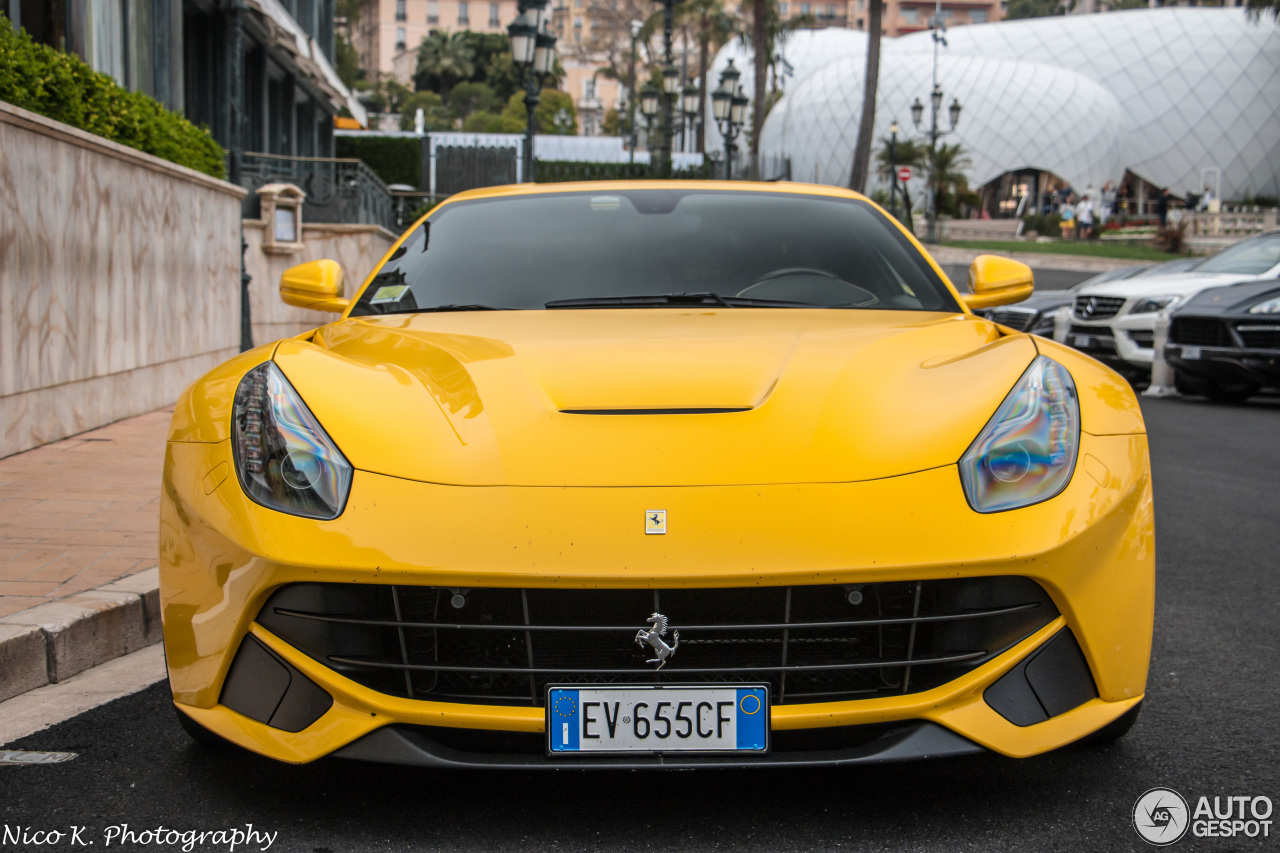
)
(1248, 257)
(525, 251)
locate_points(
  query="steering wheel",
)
(821, 287)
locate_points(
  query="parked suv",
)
(1115, 321)
(1225, 343)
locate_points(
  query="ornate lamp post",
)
(934, 134)
(690, 98)
(893, 169)
(533, 52)
(729, 107)
(670, 91)
(650, 96)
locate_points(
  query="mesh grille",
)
(1015, 318)
(810, 643)
(1098, 307)
(1260, 335)
(1199, 331)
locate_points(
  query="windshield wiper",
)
(662, 300)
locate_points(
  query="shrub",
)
(60, 86)
(395, 159)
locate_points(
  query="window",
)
(947, 14)
(463, 16)
(910, 15)
(835, 253)
(831, 11)
(577, 29)
(400, 38)
(783, 9)
(860, 24)
(978, 16)
(862, 4)
(804, 8)
(589, 89)
(401, 15)
(493, 15)
(433, 11)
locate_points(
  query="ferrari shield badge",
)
(655, 521)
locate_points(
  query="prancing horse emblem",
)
(653, 636)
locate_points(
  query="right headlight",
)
(284, 459)
(1271, 306)
(1027, 451)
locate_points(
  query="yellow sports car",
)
(657, 474)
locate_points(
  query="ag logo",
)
(655, 521)
(1161, 816)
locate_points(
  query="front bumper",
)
(1091, 548)
(1228, 365)
(1123, 342)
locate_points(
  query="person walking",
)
(1084, 215)
(1066, 218)
(1162, 207)
(1108, 203)
(1206, 199)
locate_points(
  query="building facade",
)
(899, 16)
(387, 33)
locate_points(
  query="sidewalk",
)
(78, 540)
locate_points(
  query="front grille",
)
(1098, 307)
(1199, 331)
(1260, 335)
(1020, 319)
(810, 643)
(1146, 340)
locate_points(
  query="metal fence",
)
(345, 191)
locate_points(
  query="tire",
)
(1230, 393)
(1116, 729)
(200, 734)
(1187, 385)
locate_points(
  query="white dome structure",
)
(1165, 93)
(1016, 115)
(1200, 87)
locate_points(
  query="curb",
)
(52, 642)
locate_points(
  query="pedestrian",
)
(1206, 199)
(1084, 215)
(1108, 203)
(1066, 218)
(1162, 207)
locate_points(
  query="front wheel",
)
(1234, 393)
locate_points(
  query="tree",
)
(948, 164)
(767, 32)
(611, 124)
(386, 94)
(467, 98)
(555, 113)
(448, 57)
(908, 152)
(437, 117)
(713, 28)
(862, 151)
(1255, 9)
(346, 61)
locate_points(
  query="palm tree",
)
(448, 57)
(768, 31)
(862, 151)
(713, 27)
(948, 165)
(908, 153)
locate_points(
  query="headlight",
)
(1152, 304)
(284, 459)
(1271, 306)
(1027, 451)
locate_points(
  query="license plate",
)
(1190, 353)
(657, 718)
(1080, 341)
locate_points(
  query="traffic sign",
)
(904, 173)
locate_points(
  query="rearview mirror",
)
(997, 281)
(316, 285)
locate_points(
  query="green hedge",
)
(59, 86)
(558, 171)
(395, 159)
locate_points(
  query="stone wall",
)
(119, 279)
(358, 248)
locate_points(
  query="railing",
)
(1230, 223)
(343, 191)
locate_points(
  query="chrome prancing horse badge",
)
(653, 636)
(655, 521)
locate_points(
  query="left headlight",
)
(284, 459)
(1027, 451)
(1271, 306)
(1152, 304)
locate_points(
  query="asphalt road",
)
(1210, 727)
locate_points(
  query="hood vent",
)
(653, 411)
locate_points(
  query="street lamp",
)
(533, 52)
(893, 169)
(933, 134)
(670, 91)
(636, 28)
(690, 99)
(729, 107)
(649, 101)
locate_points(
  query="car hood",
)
(1178, 284)
(1236, 299)
(484, 398)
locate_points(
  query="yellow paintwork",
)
(995, 280)
(468, 474)
(316, 284)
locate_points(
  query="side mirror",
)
(316, 285)
(997, 281)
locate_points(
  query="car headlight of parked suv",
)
(1271, 306)
(1152, 304)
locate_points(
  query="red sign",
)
(904, 173)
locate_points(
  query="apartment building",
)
(388, 32)
(899, 17)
